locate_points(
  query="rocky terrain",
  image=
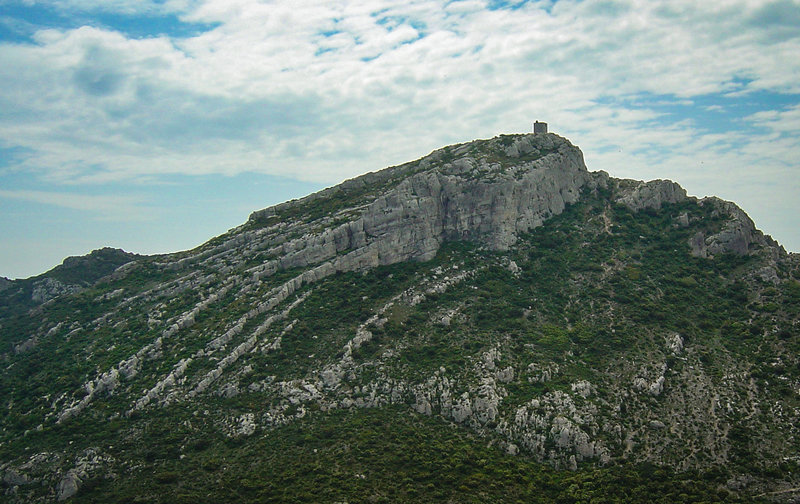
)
(557, 315)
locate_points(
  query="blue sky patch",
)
(393, 22)
(20, 22)
(10, 156)
(507, 5)
(713, 113)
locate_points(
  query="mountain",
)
(492, 322)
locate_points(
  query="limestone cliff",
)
(461, 194)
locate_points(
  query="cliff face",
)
(463, 194)
(499, 285)
(487, 192)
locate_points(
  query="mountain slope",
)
(499, 287)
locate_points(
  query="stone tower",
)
(540, 127)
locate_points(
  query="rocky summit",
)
(490, 323)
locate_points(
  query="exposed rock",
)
(505, 375)
(49, 288)
(462, 408)
(583, 388)
(484, 405)
(675, 344)
(738, 233)
(537, 374)
(243, 425)
(653, 388)
(639, 195)
(768, 274)
(423, 406)
(512, 449)
(89, 464)
(105, 383)
(229, 390)
(738, 236)
(332, 376)
(412, 220)
(568, 435)
(87, 269)
(698, 244)
(26, 346)
(657, 386)
(210, 318)
(14, 478)
(69, 485)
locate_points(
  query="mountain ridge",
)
(570, 317)
(639, 195)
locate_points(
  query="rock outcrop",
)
(467, 198)
(738, 236)
(638, 195)
(48, 288)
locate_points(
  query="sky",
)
(154, 125)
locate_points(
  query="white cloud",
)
(107, 207)
(778, 121)
(327, 90)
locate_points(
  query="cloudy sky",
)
(153, 125)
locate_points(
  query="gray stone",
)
(505, 375)
(675, 344)
(638, 195)
(26, 346)
(413, 219)
(49, 288)
(657, 386)
(738, 236)
(14, 478)
(69, 485)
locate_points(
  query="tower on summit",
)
(540, 127)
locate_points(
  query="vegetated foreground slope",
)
(491, 322)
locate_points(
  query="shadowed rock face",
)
(87, 269)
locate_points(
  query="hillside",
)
(490, 322)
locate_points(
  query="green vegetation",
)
(376, 455)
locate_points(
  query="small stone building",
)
(540, 127)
